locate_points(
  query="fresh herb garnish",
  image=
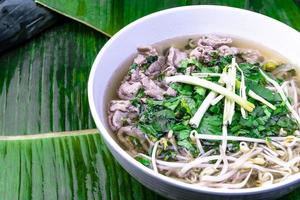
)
(157, 117)
(143, 160)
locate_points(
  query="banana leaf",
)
(61, 166)
(109, 16)
(43, 89)
(43, 83)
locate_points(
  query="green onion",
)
(212, 86)
(242, 91)
(281, 93)
(262, 100)
(257, 97)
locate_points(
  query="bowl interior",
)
(191, 20)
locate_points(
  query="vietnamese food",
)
(210, 114)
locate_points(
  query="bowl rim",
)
(294, 179)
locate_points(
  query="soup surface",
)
(209, 110)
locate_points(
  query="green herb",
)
(164, 114)
(183, 134)
(251, 72)
(158, 117)
(183, 89)
(188, 105)
(190, 62)
(140, 93)
(143, 160)
(149, 61)
(200, 90)
(135, 141)
(264, 122)
(136, 101)
(181, 126)
(168, 155)
(148, 129)
(262, 91)
(211, 124)
(133, 66)
(171, 103)
(219, 63)
(187, 145)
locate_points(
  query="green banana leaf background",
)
(43, 88)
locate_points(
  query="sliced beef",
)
(227, 51)
(170, 92)
(155, 90)
(117, 119)
(211, 44)
(170, 71)
(189, 70)
(121, 112)
(214, 41)
(156, 67)
(151, 89)
(140, 59)
(128, 89)
(135, 76)
(251, 56)
(143, 53)
(203, 53)
(122, 105)
(175, 56)
(147, 51)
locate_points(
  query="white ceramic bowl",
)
(172, 23)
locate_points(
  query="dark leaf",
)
(21, 20)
